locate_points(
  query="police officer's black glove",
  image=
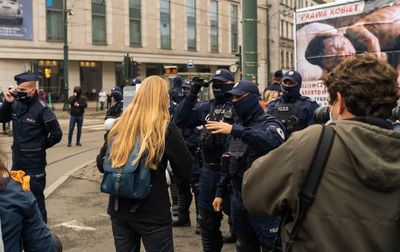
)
(196, 86)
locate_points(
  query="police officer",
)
(115, 110)
(35, 129)
(191, 136)
(136, 81)
(193, 114)
(175, 93)
(292, 109)
(254, 134)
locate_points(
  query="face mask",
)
(23, 97)
(290, 92)
(330, 115)
(219, 91)
(245, 107)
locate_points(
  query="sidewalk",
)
(77, 214)
(93, 108)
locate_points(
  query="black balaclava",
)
(219, 91)
(247, 106)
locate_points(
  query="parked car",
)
(10, 10)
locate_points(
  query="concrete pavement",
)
(77, 214)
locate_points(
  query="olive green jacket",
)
(357, 201)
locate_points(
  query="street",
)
(76, 208)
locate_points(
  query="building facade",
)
(197, 36)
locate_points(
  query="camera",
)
(396, 113)
(15, 93)
(321, 115)
(202, 82)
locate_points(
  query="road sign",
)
(190, 63)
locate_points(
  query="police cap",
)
(278, 74)
(115, 90)
(292, 76)
(25, 77)
(187, 84)
(243, 87)
(223, 75)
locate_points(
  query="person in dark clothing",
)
(35, 129)
(192, 114)
(116, 109)
(78, 104)
(254, 134)
(295, 111)
(147, 121)
(185, 188)
(175, 94)
(21, 222)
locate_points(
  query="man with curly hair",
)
(357, 202)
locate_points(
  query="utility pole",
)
(65, 108)
(250, 52)
(268, 48)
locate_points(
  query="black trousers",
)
(127, 237)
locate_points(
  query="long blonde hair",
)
(145, 121)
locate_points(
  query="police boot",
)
(174, 197)
(243, 245)
(211, 237)
(195, 190)
(184, 200)
(229, 237)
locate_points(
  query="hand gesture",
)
(219, 127)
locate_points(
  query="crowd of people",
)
(285, 182)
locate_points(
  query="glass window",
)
(99, 22)
(191, 24)
(54, 21)
(165, 24)
(234, 27)
(214, 25)
(135, 37)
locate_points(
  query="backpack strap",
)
(313, 178)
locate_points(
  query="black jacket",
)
(155, 209)
(77, 111)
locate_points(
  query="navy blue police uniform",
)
(253, 135)
(292, 109)
(193, 114)
(35, 128)
(21, 220)
(191, 136)
(116, 110)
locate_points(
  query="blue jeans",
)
(101, 105)
(127, 237)
(72, 121)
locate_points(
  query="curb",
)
(51, 188)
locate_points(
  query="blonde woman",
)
(147, 121)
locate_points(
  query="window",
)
(54, 20)
(135, 37)
(282, 27)
(234, 28)
(214, 25)
(282, 60)
(287, 60)
(287, 29)
(165, 24)
(191, 24)
(99, 22)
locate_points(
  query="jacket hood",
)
(177, 81)
(373, 151)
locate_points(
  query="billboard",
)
(16, 19)
(328, 34)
